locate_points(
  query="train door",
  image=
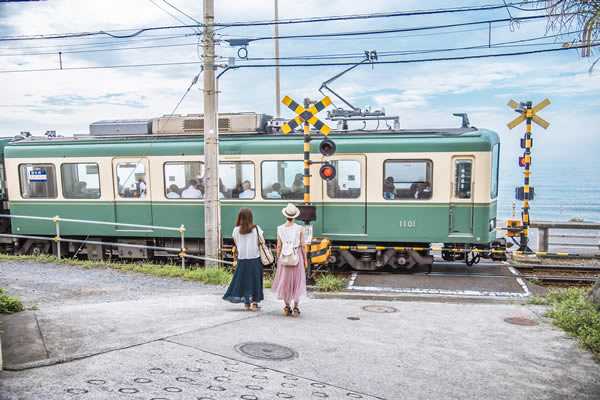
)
(132, 192)
(461, 196)
(345, 198)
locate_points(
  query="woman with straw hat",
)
(247, 283)
(290, 281)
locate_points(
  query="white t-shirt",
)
(191, 193)
(247, 245)
(247, 194)
(291, 233)
(173, 195)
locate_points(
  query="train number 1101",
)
(407, 223)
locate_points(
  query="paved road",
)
(178, 340)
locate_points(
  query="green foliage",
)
(539, 301)
(268, 280)
(577, 317)
(576, 219)
(535, 281)
(330, 283)
(9, 305)
(211, 276)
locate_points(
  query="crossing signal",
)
(327, 147)
(327, 172)
(522, 161)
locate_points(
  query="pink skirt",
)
(290, 282)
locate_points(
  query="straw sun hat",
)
(290, 211)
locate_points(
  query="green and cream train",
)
(392, 188)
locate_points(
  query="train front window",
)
(80, 181)
(495, 169)
(407, 179)
(184, 179)
(346, 184)
(236, 180)
(38, 181)
(132, 180)
(282, 180)
(462, 179)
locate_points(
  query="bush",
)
(268, 281)
(330, 283)
(577, 317)
(9, 305)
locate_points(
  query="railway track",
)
(556, 276)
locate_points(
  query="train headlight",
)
(492, 224)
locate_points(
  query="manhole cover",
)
(520, 321)
(379, 309)
(266, 351)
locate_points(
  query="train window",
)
(38, 181)
(132, 180)
(80, 181)
(346, 183)
(282, 179)
(407, 179)
(462, 179)
(495, 169)
(236, 180)
(184, 179)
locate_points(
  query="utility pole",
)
(277, 88)
(211, 144)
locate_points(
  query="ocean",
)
(565, 189)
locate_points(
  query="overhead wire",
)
(323, 64)
(139, 31)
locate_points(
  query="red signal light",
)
(522, 161)
(327, 172)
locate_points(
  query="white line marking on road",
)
(437, 291)
(520, 281)
(351, 281)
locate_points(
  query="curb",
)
(427, 298)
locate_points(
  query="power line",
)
(310, 64)
(384, 31)
(269, 22)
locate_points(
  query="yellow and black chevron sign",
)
(319, 251)
(305, 115)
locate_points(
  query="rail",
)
(182, 251)
(544, 235)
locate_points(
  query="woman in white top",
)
(247, 283)
(290, 281)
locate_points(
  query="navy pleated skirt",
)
(247, 283)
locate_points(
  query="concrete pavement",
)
(184, 346)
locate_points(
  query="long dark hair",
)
(245, 221)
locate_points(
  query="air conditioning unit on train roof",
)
(194, 123)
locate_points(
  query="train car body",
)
(409, 187)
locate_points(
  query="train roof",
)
(356, 141)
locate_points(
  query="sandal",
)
(255, 307)
(246, 307)
(287, 311)
(296, 313)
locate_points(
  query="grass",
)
(268, 281)
(211, 276)
(330, 283)
(576, 219)
(535, 281)
(570, 311)
(8, 305)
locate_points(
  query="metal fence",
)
(182, 251)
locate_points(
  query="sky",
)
(423, 95)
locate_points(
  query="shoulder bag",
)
(266, 256)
